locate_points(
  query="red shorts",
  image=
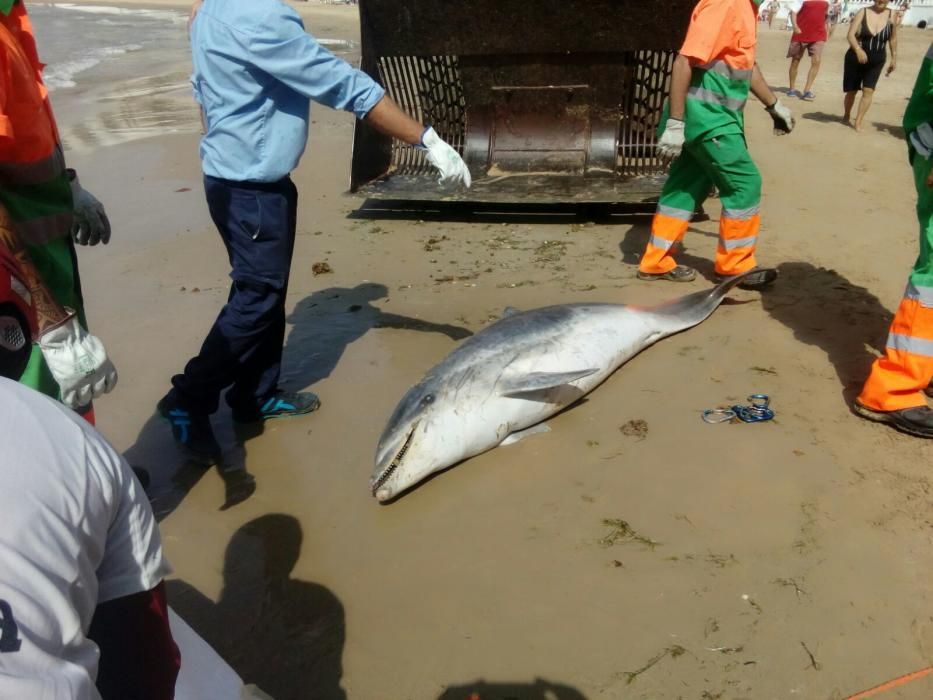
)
(814, 49)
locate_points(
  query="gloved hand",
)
(444, 158)
(671, 142)
(78, 362)
(91, 225)
(783, 118)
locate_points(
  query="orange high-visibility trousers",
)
(897, 379)
(722, 161)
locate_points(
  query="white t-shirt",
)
(75, 530)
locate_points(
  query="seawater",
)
(115, 74)
(73, 39)
(119, 74)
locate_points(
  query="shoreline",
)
(126, 88)
(311, 7)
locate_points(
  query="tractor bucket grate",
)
(562, 111)
(644, 93)
(429, 89)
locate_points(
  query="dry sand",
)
(794, 557)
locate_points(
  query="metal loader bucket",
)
(552, 101)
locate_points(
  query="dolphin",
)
(517, 372)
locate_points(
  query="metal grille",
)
(429, 88)
(647, 81)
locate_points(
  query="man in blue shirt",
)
(256, 71)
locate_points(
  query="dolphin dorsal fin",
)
(510, 311)
(539, 381)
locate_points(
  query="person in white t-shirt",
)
(83, 613)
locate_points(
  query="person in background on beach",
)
(894, 392)
(835, 14)
(774, 7)
(50, 213)
(704, 133)
(902, 10)
(872, 34)
(83, 612)
(256, 71)
(811, 23)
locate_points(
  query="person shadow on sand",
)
(173, 473)
(823, 308)
(281, 634)
(326, 322)
(540, 689)
(322, 326)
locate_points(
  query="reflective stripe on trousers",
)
(724, 162)
(666, 230)
(898, 378)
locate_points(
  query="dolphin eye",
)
(427, 400)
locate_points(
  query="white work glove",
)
(783, 118)
(78, 362)
(671, 142)
(453, 170)
(91, 225)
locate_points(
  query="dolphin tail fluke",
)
(687, 311)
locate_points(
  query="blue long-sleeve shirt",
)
(255, 72)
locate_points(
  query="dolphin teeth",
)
(384, 477)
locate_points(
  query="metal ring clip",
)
(757, 410)
(718, 415)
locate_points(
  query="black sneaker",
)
(756, 280)
(192, 431)
(280, 405)
(913, 421)
(681, 273)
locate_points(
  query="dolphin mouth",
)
(390, 470)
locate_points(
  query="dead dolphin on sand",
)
(516, 373)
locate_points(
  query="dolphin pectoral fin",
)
(540, 381)
(512, 438)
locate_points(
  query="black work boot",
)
(192, 431)
(681, 273)
(756, 280)
(917, 421)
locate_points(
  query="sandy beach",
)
(789, 559)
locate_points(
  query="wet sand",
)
(793, 557)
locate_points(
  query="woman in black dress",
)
(872, 33)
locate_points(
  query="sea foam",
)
(165, 15)
(61, 75)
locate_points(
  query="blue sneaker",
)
(192, 431)
(280, 405)
(794, 93)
